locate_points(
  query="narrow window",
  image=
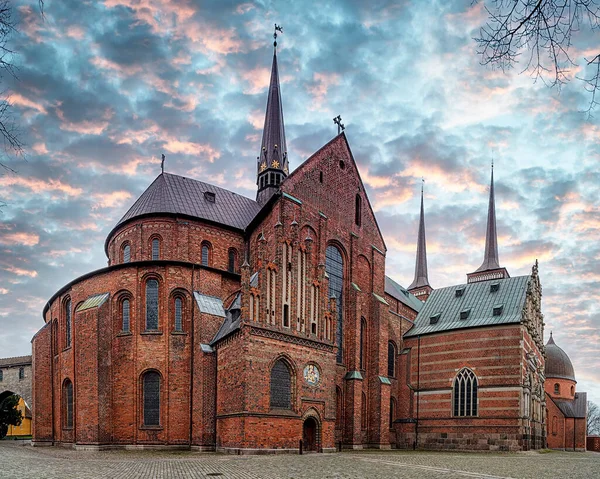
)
(205, 254)
(155, 248)
(21, 373)
(363, 416)
(363, 342)
(556, 388)
(391, 360)
(334, 266)
(357, 210)
(392, 411)
(152, 305)
(178, 322)
(281, 386)
(126, 253)
(1, 375)
(232, 260)
(68, 323)
(572, 390)
(68, 404)
(465, 394)
(320, 177)
(286, 315)
(55, 336)
(151, 384)
(125, 315)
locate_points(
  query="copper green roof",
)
(507, 296)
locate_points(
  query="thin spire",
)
(421, 278)
(490, 259)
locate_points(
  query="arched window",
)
(556, 388)
(68, 322)
(392, 411)
(178, 314)
(363, 416)
(572, 390)
(151, 305)
(155, 248)
(334, 266)
(363, 343)
(125, 315)
(465, 394)
(231, 265)
(391, 359)
(357, 210)
(21, 374)
(281, 386)
(151, 400)
(55, 336)
(205, 254)
(126, 253)
(68, 404)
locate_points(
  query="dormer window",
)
(498, 309)
(459, 292)
(435, 318)
(464, 314)
(494, 287)
(209, 196)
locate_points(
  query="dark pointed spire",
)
(490, 258)
(420, 284)
(272, 161)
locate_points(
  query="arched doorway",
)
(310, 435)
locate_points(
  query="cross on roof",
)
(338, 121)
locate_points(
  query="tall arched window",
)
(363, 343)
(205, 254)
(391, 359)
(155, 248)
(363, 415)
(232, 260)
(392, 411)
(151, 305)
(357, 210)
(68, 404)
(572, 390)
(556, 388)
(178, 314)
(68, 322)
(465, 393)
(126, 253)
(55, 336)
(151, 399)
(125, 310)
(334, 266)
(281, 385)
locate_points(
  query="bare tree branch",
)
(593, 418)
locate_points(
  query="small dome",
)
(558, 364)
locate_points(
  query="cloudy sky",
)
(105, 87)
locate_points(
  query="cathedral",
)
(269, 325)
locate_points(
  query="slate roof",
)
(401, 294)
(558, 364)
(15, 361)
(175, 194)
(478, 299)
(576, 407)
(232, 320)
(209, 304)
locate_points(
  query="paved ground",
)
(27, 462)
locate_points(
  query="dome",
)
(558, 364)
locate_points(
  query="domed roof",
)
(558, 364)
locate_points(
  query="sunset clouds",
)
(106, 87)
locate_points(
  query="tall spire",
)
(272, 164)
(420, 285)
(490, 264)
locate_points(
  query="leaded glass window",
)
(151, 385)
(155, 248)
(68, 404)
(125, 313)
(334, 266)
(281, 386)
(178, 323)
(465, 394)
(231, 265)
(205, 254)
(391, 360)
(152, 305)
(126, 253)
(68, 323)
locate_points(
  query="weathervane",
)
(338, 121)
(162, 163)
(278, 28)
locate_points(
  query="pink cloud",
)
(19, 238)
(191, 148)
(40, 148)
(76, 32)
(19, 100)
(318, 90)
(110, 200)
(4, 291)
(21, 271)
(36, 185)
(258, 79)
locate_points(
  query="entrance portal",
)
(309, 435)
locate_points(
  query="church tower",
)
(272, 162)
(420, 286)
(490, 268)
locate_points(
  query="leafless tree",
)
(541, 31)
(593, 419)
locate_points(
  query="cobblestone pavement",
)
(27, 462)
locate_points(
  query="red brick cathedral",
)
(231, 324)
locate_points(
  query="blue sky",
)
(106, 87)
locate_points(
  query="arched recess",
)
(179, 310)
(335, 260)
(206, 253)
(232, 260)
(311, 430)
(67, 314)
(364, 342)
(123, 307)
(362, 273)
(155, 246)
(125, 252)
(151, 398)
(68, 403)
(152, 286)
(392, 354)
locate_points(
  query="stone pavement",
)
(27, 462)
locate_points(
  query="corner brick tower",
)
(272, 162)
(420, 286)
(490, 268)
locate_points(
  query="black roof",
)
(173, 194)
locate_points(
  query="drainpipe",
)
(574, 424)
(192, 359)
(418, 389)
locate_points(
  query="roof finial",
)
(162, 163)
(278, 28)
(338, 121)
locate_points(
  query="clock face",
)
(312, 374)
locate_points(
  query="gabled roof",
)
(177, 195)
(401, 294)
(15, 361)
(576, 407)
(232, 320)
(479, 298)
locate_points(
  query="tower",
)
(490, 268)
(420, 286)
(272, 162)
